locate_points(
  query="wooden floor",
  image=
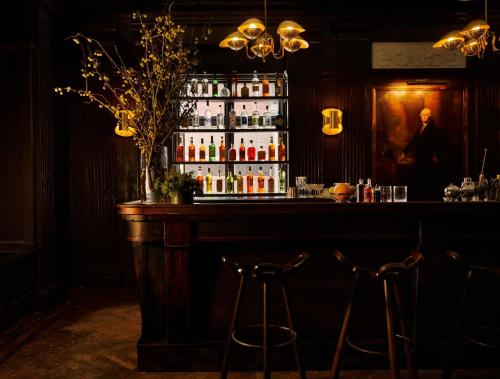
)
(93, 335)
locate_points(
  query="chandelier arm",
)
(248, 55)
(281, 52)
(494, 41)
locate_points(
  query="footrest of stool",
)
(278, 336)
(485, 336)
(399, 339)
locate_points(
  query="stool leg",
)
(410, 359)
(334, 373)
(234, 320)
(265, 327)
(300, 370)
(391, 338)
(447, 372)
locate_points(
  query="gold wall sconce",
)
(332, 121)
(125, 127)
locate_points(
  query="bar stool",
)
(266, 273)
(472, 271)
(389, 274)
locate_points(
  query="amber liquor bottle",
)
(209, 181)
(245, 91)
(242, 151)
(199, 179)
(239, 183)
(232, 153)
(191, 151)
(260, 181)
(251, 151)
(203, 152)
(368, 198)
(179, 151)
(219, 183)
(270, 181)
(249, 180)
(261, 154)
(281, 151)
(272, 150)
(222, 150)
(265, 86)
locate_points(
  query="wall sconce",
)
(332, 121)
(125, 127)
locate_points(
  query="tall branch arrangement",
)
(150, 100)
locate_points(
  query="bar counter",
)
(187, 293)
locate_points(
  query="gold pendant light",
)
(252, 35)
(472, 40)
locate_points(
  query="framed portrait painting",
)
(396, 118)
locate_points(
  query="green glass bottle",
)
(229, 182)
(211, 150)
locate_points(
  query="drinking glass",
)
(400, 193)
(300, 182)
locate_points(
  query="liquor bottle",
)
(281, 151)
(242, 151)
(245, 92)
(260, 181)
(272, 150)
(261, 154)
(377, 196)
(360, 191)
(368, 197)
(199, 179)
(239, 183)
(204, 85)
(232, 153)
(202, 151)
(211, 150)
(194, 87)
(222, 150)
(265, 86)
(232, 118)
(229, 182)
(244, 118)
(255, 116)
(279, 86)
(209, 181)
(224, 92)
(191, 151)
(249, 180)
(255, 84)
(215, 87)
(267, 120)
(270, 181)
(282, 179)
(219, 186)
(234, 84)
(251, 151)
(179, 151)
(208, 116)
(220, 118)
(196, 117)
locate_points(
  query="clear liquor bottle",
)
(196, 117)
(220, 118)
(282, 179)
(255, 116)
(249, 180)
(229, 182)
(222, 150)
(211, 150)
(194, 87)
(267, 119)
(209, 181)
(360, 191)
(244, 118)
(255, 84)
(208, 116)
(204, 85)
(232, 118)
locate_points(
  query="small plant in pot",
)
(177, 188)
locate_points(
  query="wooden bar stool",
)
(472, 272)
(389, 274)
(266, 273)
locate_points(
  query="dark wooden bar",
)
(186, 293)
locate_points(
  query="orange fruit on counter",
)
(342, 191)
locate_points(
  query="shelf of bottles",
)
(236, 141)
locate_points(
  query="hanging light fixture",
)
(252, 36)
(471, 40)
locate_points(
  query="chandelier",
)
(252, 36)
(471, 40)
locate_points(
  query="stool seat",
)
(490, 333)
(266, 336)
(389, 274)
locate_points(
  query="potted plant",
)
(177, 188)
(149, 100)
